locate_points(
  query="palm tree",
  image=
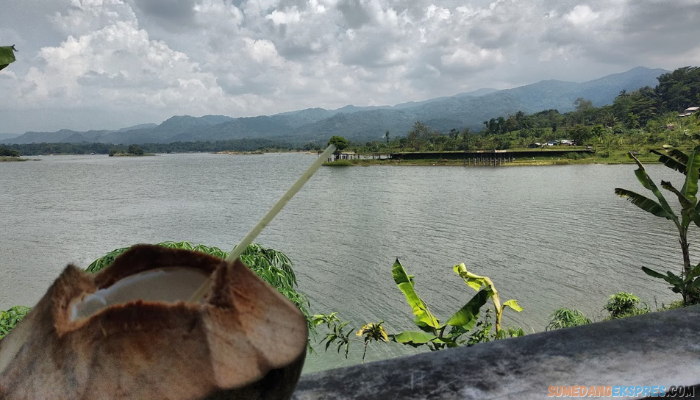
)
(373, 332)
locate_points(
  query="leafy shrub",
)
(10, 318)
(566, 318)
(623, 305)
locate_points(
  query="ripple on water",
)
(548, 236)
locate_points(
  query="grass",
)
(341, 163)
(132, 155)
(10, 159)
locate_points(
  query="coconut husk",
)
(243, 341)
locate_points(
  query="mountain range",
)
(365, 123)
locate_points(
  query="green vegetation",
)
(566, 318)
(340, 163)
(339, 142)
(9, 159)
(175, 147)
(7, 55)
(133, 150)
(10, 318)
(433, 334)
(622, 305)
(464, 327)
(637, 121)
(5, 152)
(687, 283)
(372, 332)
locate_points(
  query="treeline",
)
(635, 110)
(175, 147)
(647, 116)
(5, 152)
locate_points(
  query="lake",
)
(549, 237)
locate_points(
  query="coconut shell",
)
(243, 341)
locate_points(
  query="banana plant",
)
(476, 282)
(687, 283)
(432, 333)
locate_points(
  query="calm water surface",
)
(548, 236)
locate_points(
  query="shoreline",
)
(17, 159)
(460, 163)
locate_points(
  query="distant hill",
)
(4, 136)
(367, 123)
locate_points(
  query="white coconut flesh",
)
(168, 285)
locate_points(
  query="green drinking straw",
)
(248, 239)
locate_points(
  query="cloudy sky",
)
(104, 64)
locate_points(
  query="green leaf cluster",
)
(339, 142)
(337, 332)
(7, 56)
(10, 318)
(622, 305)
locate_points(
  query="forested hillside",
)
(466, 110)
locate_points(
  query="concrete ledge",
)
(661, 348)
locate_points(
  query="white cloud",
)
(466, 59)
(251, 57)
(284, 18)
(582, 15)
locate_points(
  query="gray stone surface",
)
(661, 348)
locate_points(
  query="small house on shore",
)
(689, 111)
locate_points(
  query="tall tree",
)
(339, 142)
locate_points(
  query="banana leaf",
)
(645, 204)
(7, 56)
(468, 315)
(670, 162)
(688, 212)
(693, 273)
(472, 280)
(690, 187)
(413, 338)
(512, 304)
(653, 273)
(679, 155)
(649, 184)
(424, 318)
